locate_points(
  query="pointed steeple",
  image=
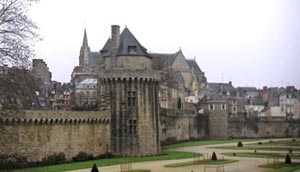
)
(85, 40)
(84, 51)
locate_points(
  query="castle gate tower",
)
(128, 88)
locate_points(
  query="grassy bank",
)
(107, 162)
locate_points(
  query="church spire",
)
(84, 51)
(85, 41)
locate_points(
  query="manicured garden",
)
(257, 148)
(260, 154)
(107, 162)
(205, 142)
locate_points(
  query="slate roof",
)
(213, 96)
(166, 59)
(247, 88)
(217, 86)
(94, 59)
(107, 46)
(193, 65)
(127, 39)
(88, 81)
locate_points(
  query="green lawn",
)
(206, 142)
(259, 155)
(267, 148)
(107, 162)
(282, 167)
(206, 162)
(282, 143)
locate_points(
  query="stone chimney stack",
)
(115, 37)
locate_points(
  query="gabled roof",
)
(193, 65)
(247, 88)
(165, 59)
(217, 86)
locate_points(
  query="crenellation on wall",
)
(263, 127)
(38, 134)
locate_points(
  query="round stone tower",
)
(128, 88)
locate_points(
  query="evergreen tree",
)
(94, 169)
(288, 159)
(214, 157)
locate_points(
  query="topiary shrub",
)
(56, 158)
(82, 156)
(214, 157)
(240, 144)
(288, 159)
(94, 168)
(260, 143)
(234, 154)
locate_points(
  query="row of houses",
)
(250, 101)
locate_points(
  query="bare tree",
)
(18, 89)
(17, 33)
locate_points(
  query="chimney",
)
(290, 89)
(265, 89)
(115, 37)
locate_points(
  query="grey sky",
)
(252, 42)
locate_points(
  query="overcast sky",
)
(250, 42)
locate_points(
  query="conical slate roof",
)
(127, 42)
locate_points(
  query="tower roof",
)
(129, 45)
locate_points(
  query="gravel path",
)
(243, 165)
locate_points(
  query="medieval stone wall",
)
(178, 126)
(263, 127)
(38, 134)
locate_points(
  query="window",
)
(132, 49)
(131, 98)
(179, 103)
(223, 106)
(234, 109)
(211, 107)
(132, 127)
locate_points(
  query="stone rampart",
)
(263, 127)
(178, 126)
(38, 134)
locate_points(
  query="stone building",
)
(128, 89)
(217, 110)
(41, 70)
(85, 94)
(88, 63)
(182, 79)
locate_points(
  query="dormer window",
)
(132, 49)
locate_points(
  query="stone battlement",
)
(263, 120)
(129, 74)
(54, 117)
